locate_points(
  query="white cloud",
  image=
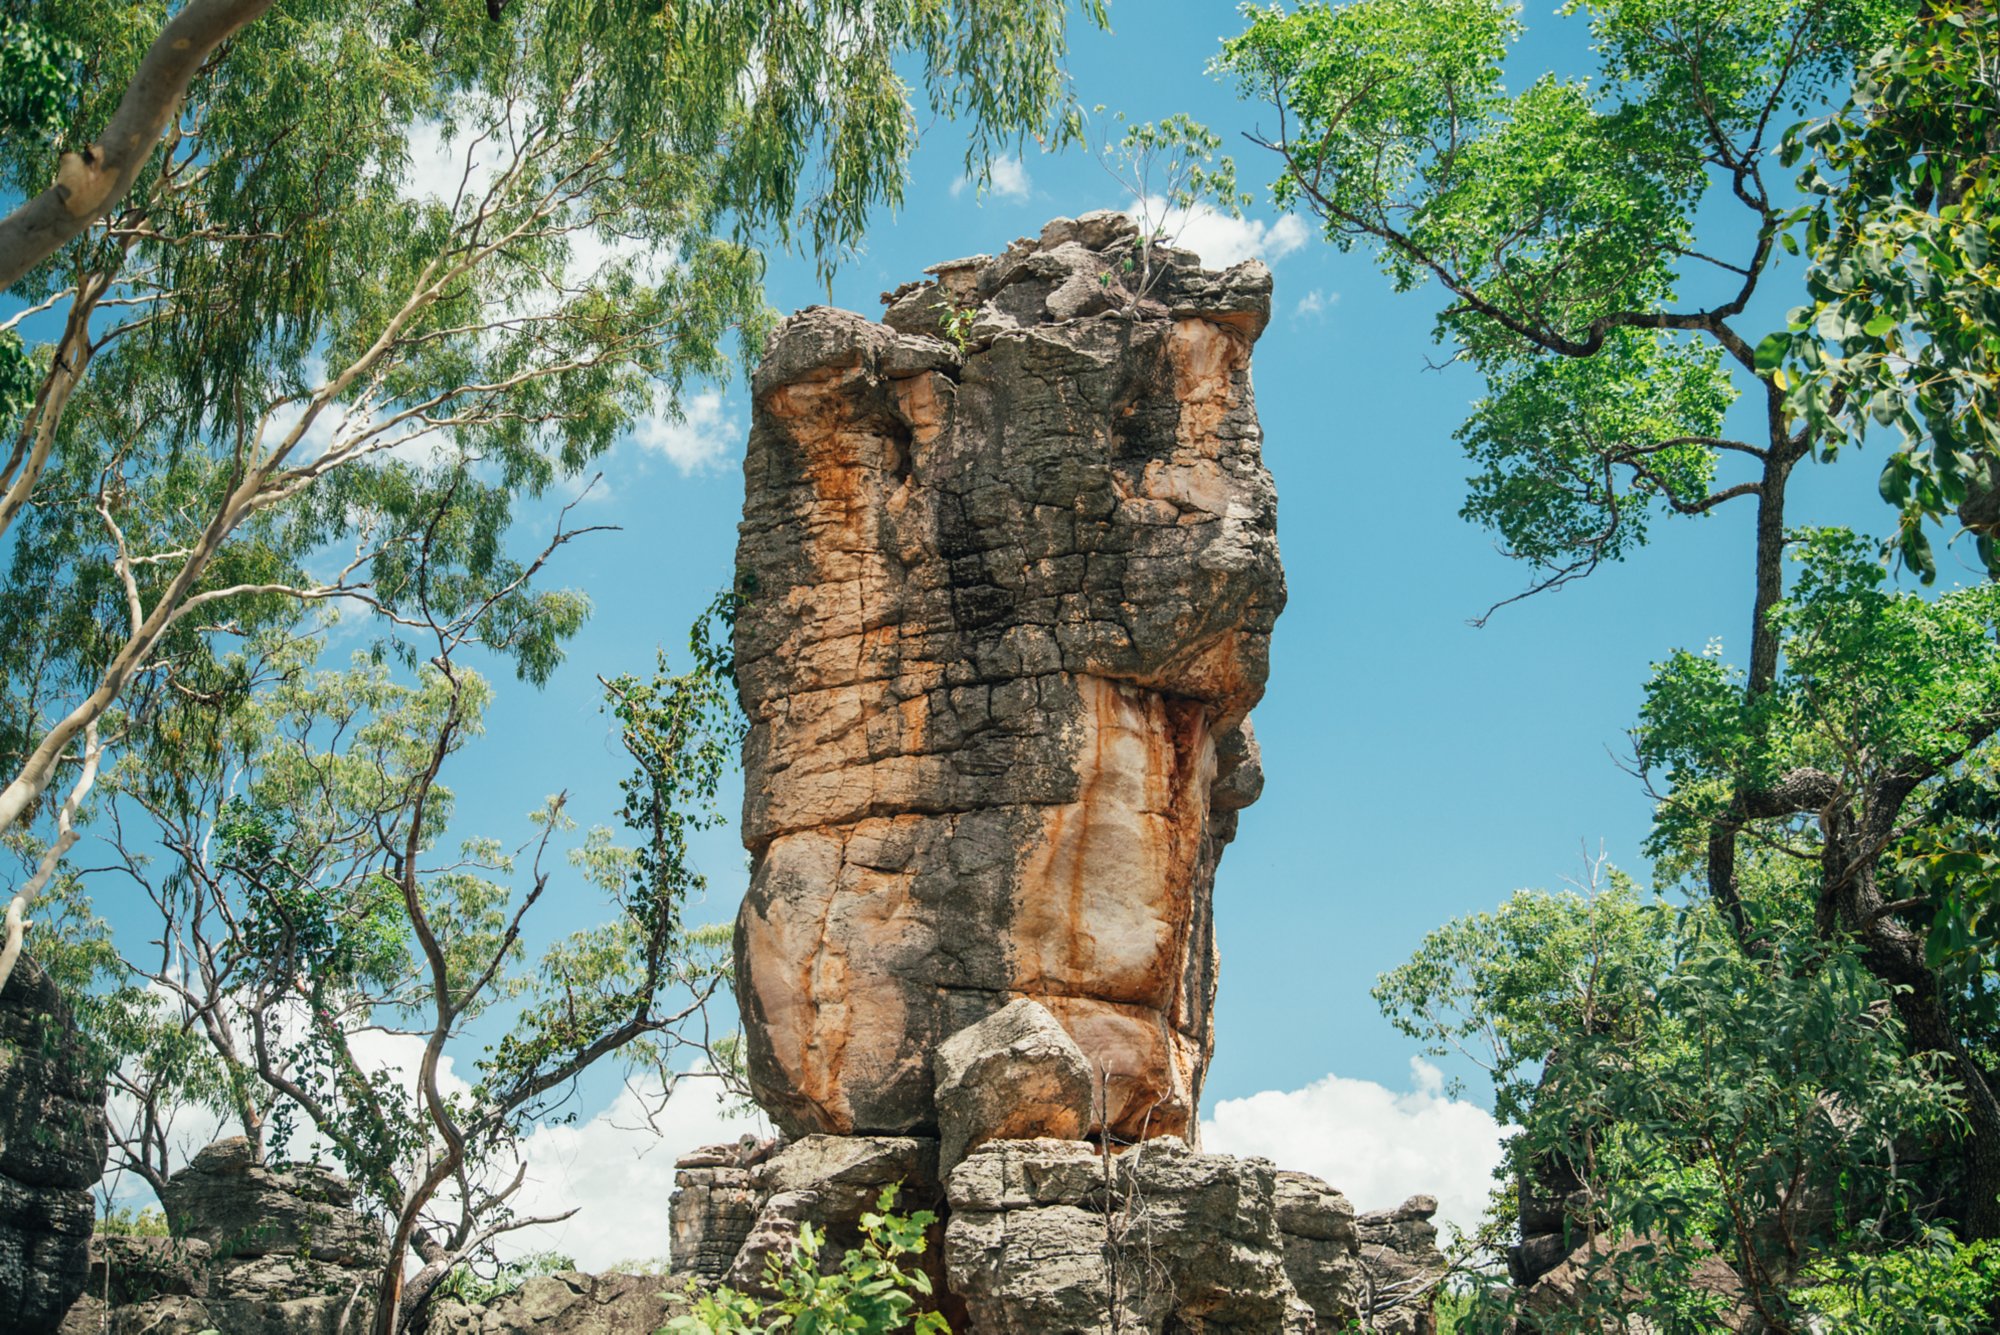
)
(702, 437)
(1219, 239)
(1009, 180)
(617, 1172)
(444, 164)
(1377, 1146)
(1315, 303)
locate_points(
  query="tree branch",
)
(88, 183)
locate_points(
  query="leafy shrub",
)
(870, 1294)
(130, 1221)
(469, 1286)
(1945, 1288)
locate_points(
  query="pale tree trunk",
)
(52, 856)
(88, 183)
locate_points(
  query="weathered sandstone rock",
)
(1046, 1236)
(52, 1147)
(1014, 1075)
(568, 1303)
(1009, 606)
(134, 1269)
(830, 1182)
(1322, 1251)
(1402, 1266)
(714, 1206)
(254, 1251)
(243, 1209)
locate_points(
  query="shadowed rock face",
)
(51, 1153)
(1010, 604)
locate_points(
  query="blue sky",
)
(1417, 768)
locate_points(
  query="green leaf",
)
(1772, 349)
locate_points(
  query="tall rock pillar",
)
(1012, 568)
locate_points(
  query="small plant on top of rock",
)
(1174, 174)
(871, 1293)
(957, 325)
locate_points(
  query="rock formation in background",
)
(52, 1148)
(1012, 568)
(253, 1251)
(262, 1251)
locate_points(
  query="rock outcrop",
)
(829, 1182)
(243, 1209)
(1014, 1075)
(714, 1206)
(127, 1270)
(567, 1303)
(1011, 570)
(1402, 1264)
(1051, 1235)
(52, 1148)
(255, 1251)
(1048, 1235)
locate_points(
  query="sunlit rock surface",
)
(1012, 569)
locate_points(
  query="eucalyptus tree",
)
(1603, 246)
(295, 335)
(328, 957)
(90, 180)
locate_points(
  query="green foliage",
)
(1506, 989)
(1709, 1101)
(39, 74)
(957, 326)
(1901, 325)
(1943, 1287)
(1564, 222)
(1874, 680)
(465, 1286)
(132, 1222)
(1574, 455)
(872, 1292)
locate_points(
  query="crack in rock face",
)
(1011, 565)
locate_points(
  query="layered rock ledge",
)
(1050, 1236)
